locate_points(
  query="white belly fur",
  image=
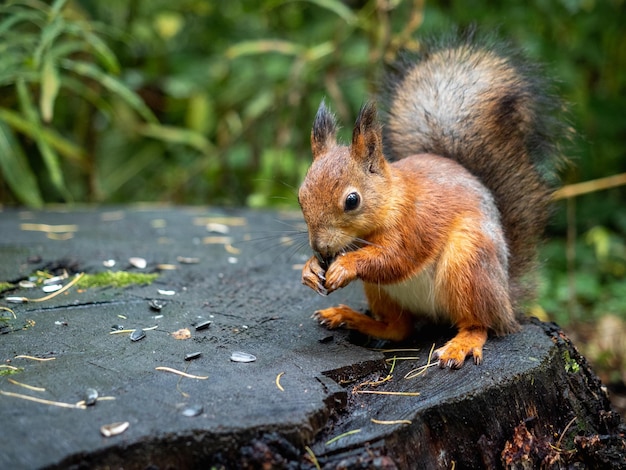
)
(417, 294)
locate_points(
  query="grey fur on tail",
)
(478, 101)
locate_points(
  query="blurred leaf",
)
(264, 46)
(16, 170)
(136, 163)
(260, 104)
(200, 113)
(112, 84)
(168, 24)
(337, 7)
(49, 89)
(104, 54)
(176, 135)
(320, 50)
(599, 237)
(50, 157)
(64, 146)
(48, 34)
(57, 6)
(31, 16)
(88, 93)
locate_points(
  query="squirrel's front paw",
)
(313, 276)
(340, 273)
(332, 317)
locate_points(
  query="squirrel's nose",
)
(316, 246)
(321, 250)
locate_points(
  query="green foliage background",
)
(211, 102)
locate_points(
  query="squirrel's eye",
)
(352, 201)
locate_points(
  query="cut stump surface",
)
(311, 397)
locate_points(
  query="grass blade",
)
(100, 49)
(61, 144)
(177, 135)
(57, 6)
(31, 16)
(337, 7)
(113, 85)
(15, 169)
(263, 46)
(49, 89)
(48, 35)
(48, 154)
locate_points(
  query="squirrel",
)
(440, 208)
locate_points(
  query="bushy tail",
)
(482, 104)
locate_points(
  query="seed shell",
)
(192, 356)
(204, 325)
(156, 305)
(51, 288)
(114, 429)
(137, 262)
(192, 410)
(137, 335)
(239, 356)
(91, 396)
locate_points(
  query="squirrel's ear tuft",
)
(324, 132)
(367, 139)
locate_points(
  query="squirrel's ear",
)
(324, 132)
(367, 139)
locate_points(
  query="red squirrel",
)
(438, 209)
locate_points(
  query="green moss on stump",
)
(115, 279)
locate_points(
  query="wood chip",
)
(382, 392)
(183, 333)
(33, 358)
(49, 228)
(217, 240)
(395, 421)
(230, 221)
(341, 436)
(42, 401)
(114, 429)
(181, 373)
(29, 387)
(280, 387)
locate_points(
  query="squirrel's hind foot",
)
(469, 341)
(343, 316)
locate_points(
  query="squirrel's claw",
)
(468, 342)
(314, 276)
(331, 317)
(341, 273)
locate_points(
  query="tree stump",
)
(311, 398)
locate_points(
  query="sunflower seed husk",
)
(156, 304)
(192, 356)
(114, 429)
(137, 335)
(204, 325)
(91, 396)
(137, 262)
(239, 356)
(192, 410)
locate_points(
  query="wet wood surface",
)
(229, 282)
